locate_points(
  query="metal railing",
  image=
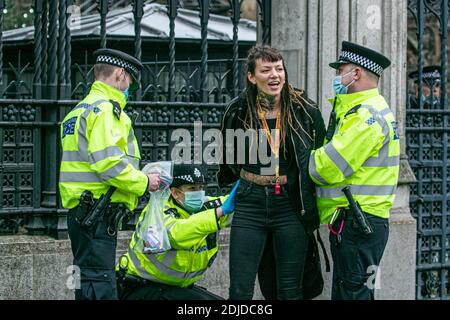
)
(428, 148)
(39, 86)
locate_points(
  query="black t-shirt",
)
(284, 156)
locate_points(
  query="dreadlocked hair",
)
(289, 97)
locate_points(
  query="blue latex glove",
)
(228, 206)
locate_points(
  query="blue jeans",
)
(258, 214)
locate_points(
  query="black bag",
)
(312, 275)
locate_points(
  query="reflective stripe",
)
(79, 177)
(169, 257)
(137, 264)
(338, 160)
(82, 139)
(366, 190)
(71, 156)
(385, 111)
(114, 171)
(170, 226)
(104, 154)
(313, 170)
(161, 268)
(383, 159)
(134, 162)
(130, 144)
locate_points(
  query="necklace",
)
(274, 145)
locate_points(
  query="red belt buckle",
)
(277, 189)
(277, 186)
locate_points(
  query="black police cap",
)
(187, 174)
(364, 57)
(429, 73)
(122, 60)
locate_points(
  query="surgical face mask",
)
(193, 200)
(125, 93)
(338, 87)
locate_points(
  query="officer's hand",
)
(153, 181)
(228, 206)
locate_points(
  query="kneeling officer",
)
(192, 222)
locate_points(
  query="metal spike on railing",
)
(235, 19)
(204, 17)
(172, 16)
(138, 11)
(103, 6)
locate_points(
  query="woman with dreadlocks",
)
(275, 199)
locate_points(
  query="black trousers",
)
(94, 252)
(259, 214)
(356, 258)
(148, 290)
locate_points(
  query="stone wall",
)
(36, 268)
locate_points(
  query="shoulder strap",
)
(117, 110)
(325, 255)
(353, 110)
(173, 212)
(90, 105)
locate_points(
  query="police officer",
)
(431, 89)
(100, 154)
(363, 154)
(192, 222)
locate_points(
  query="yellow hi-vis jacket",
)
(194, 242)
(364, 154)
(99, 150)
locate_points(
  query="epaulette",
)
(116, 108)
(173, 212)
(353, 110)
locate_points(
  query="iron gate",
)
(40, 83)
(428, 146)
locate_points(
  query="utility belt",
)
(263, 180)
(90, 211)
(137, 280)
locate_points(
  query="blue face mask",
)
(338, 87)
(125, 93)
(193, 200)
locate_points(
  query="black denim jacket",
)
(299, 181)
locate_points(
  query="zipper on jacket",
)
(299, 178)
(314, 138)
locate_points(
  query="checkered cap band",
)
(186, 177)
(117, 62)
(362, 61)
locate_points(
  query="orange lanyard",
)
(274, 145)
